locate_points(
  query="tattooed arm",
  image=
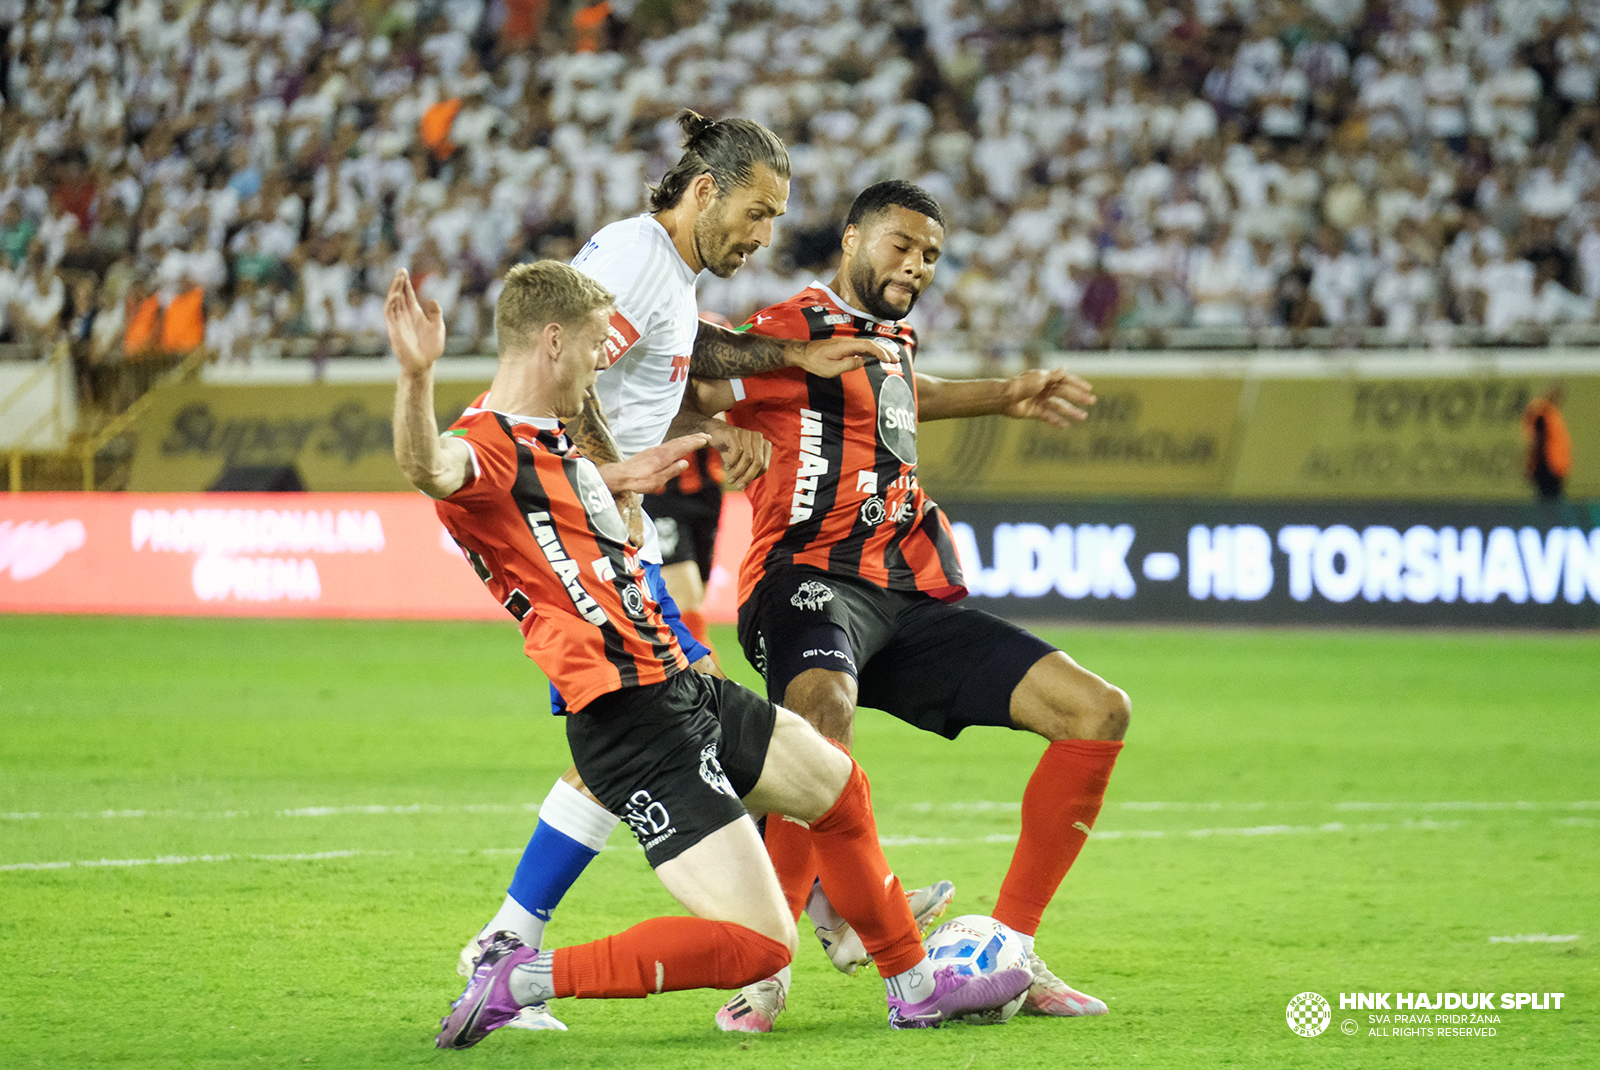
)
(723, 354)
(590, 431)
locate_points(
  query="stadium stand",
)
(1116, 172)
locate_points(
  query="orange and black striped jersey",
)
(703, 474)
(543, 532)
(842, 493)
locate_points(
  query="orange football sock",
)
(1060, 804)
(790, 847)
(859, 882)
(666, 955)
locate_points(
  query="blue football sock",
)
(550, 865)
(572, 829)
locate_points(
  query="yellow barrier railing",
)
(85, 452)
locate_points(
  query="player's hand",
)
(832, 357)
(745, 454)
(416, 332)
(1057, 397)
(648, 469)
(631, 505)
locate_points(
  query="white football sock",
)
(820, 911)
(1027, 941)
(913, 985)
(515, 918)
(574, 814)
(533, 982)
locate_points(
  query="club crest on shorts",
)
(811, 595)
(711, 771)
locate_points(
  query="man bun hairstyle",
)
(546, 291)
(895, 193)
(726, 149)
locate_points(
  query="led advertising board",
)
(1312, 563)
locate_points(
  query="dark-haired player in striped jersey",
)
(850, 591)
(679, 754)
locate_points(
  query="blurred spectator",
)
(183, 325)
(142, 333)
(298, 151)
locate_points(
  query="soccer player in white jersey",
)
(711, 212)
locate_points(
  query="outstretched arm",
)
(436, 465)
(1057, 397)
(723, 354)
(745, 454)
(648, 469)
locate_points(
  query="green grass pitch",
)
(306, 820)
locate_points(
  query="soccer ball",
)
(976, 944)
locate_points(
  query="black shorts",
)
(686, 524)
(673, 759)
(935, 665)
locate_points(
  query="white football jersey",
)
(652, 331)
(652, 335)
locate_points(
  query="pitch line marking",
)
(970, 806)
(301, 811)
(1425, 825)
(1534, 938)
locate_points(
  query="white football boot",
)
(1051, 997)
(844, 947)
(753, 1008)
(535, 1017)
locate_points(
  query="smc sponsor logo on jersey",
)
(897, 419)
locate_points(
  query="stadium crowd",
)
(250, 172)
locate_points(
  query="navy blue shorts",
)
(938, 666)
(673, 759)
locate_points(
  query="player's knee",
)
(781, 945)
(1114, 710)
(1060, 699)
(1101, 711)
(826, 699)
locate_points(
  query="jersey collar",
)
(538, 423)
(836, 299)
(676, 259)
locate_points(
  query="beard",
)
(872, 292)
(719, 253)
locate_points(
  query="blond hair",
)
(544, 292)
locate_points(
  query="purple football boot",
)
(955, 994)
(486, 1005)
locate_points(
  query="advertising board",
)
(1310, 563)
(1158, 437)
(1418, 438)
(322, 437)
(249, 555)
